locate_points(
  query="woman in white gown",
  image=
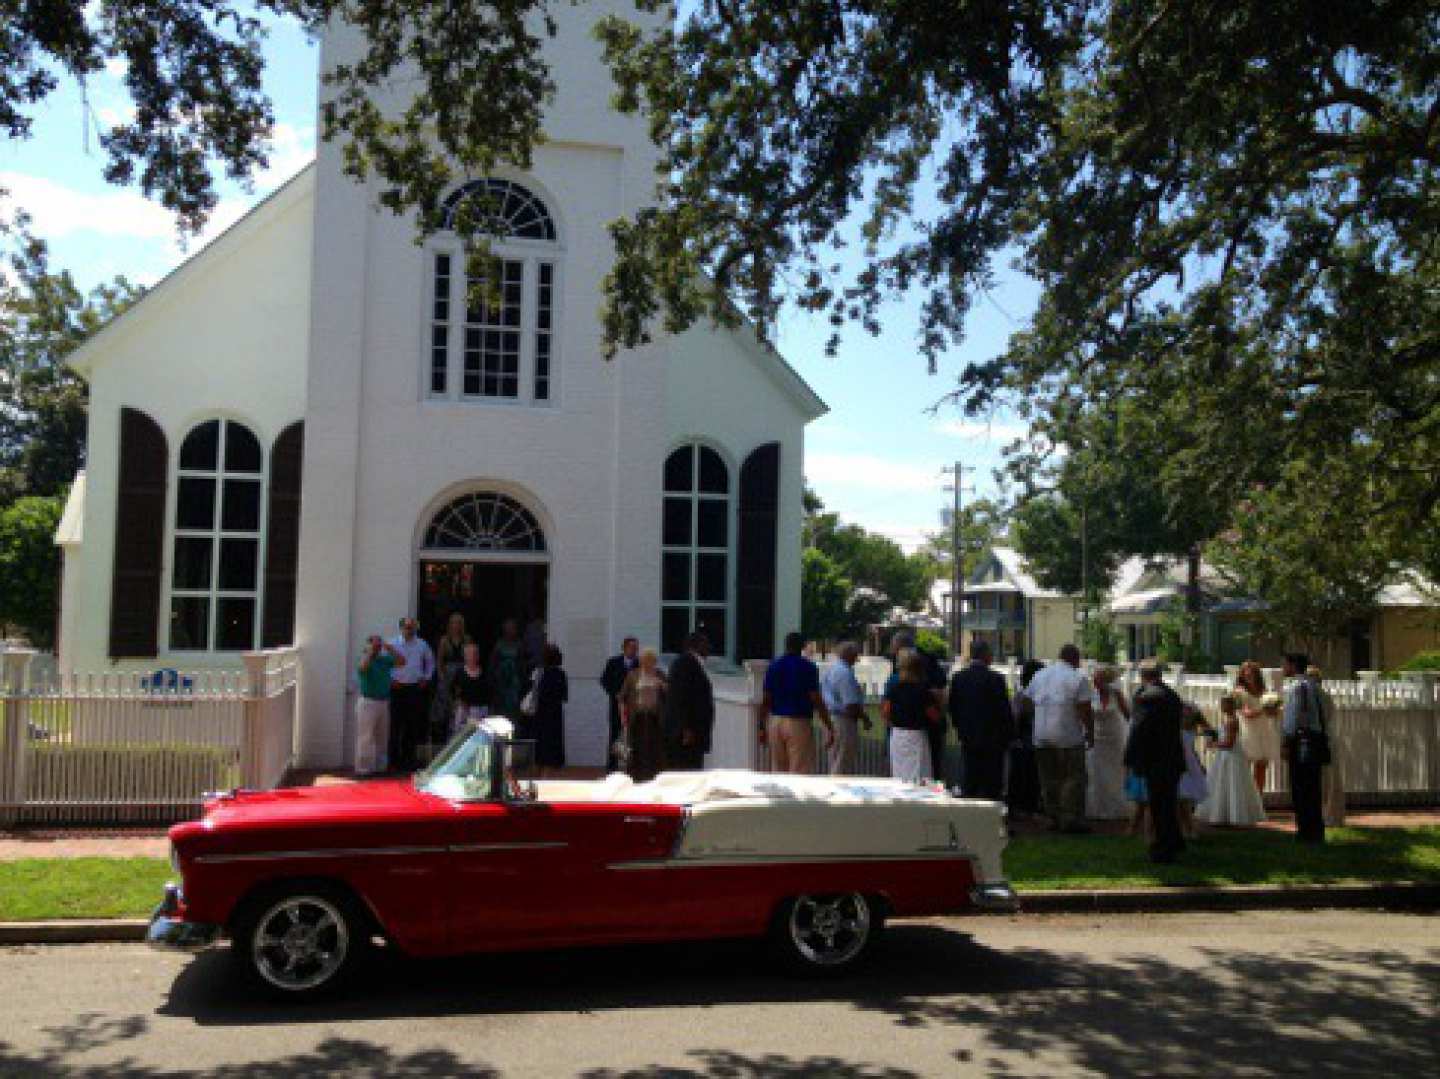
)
(1259, 728)
(1105, 760)
(1234, 799)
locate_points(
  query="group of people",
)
(411, 695)
(1095, 754)
(659, 720)
(1069, 745)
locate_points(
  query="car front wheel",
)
(826, 934)
(301, 942)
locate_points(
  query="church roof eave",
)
(84, 358)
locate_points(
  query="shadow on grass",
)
(1220, 857)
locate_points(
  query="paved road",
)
(1323, 994)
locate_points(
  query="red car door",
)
(526, 874)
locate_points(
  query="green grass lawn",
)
(40, 888)
(34, 889)
(1221, 858)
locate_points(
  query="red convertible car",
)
(465, 858)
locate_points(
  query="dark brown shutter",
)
(139, 537)
(282, 537)
(758, 541)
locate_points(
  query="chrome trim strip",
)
(474, 848)
(731, 861)
(361, 852)
(331, 852)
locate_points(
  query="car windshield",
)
(463, 769)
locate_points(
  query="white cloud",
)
(59, 210)
(861, 471)
(1002, 432)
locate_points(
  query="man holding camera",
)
(372, 707)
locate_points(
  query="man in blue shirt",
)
(791, 701)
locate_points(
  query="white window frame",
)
(217, 535)
(695, 496)
(530, 254)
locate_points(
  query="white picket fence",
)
(131, 746)
(1386, 731)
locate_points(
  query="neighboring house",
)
(1406, 621)
(306, 432)
(1003, 604)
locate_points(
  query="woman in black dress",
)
(467, 688)
(548, 725)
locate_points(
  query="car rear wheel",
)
(826, 934)
(301, 941)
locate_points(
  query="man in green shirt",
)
(372, 707)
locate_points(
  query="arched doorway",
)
(482, 554)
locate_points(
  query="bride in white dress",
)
(1234, 799)
(1105, 760)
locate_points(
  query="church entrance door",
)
(482, 555)
(484, 593)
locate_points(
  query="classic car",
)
(466, 857)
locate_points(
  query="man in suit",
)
(689, 707)
(979, 707)
(1155, 752)
(1303, 709)
(613, 680)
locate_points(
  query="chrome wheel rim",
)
(830, 929)
(300, 942)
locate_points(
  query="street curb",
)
(1242, 897)
(75, 931)
(1054, 901)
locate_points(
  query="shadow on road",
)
(1320, 1011)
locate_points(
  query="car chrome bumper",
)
(170, 932)
(995, 897)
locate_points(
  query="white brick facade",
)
(330, 298)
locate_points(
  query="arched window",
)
(215, 572)
(484, 521)
(503, 347)
(695, 549)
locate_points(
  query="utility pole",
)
(957, 485)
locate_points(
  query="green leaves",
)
(30, 567)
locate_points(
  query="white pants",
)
(910, 755)
(845, 752)
(372, 735)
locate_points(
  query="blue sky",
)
(875, 459)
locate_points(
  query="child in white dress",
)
(1234, 799)
(1193, 787)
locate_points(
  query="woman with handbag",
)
(552, 690)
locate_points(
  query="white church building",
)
(305, 432)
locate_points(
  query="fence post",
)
(253, 738)
(755, 691)
(15, 733)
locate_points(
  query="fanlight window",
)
(507, 209)
(494, 340)
(484, 521)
